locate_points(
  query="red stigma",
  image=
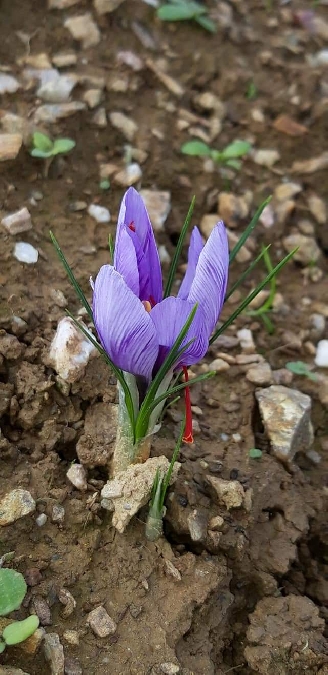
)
(152, 301)
(187, 436)
(132, 226)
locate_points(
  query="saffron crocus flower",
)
(136, 327)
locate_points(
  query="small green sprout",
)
(12, 592)
(45, 148)
(301, 368)
(255, 453)
(186, 10)
(252, 91)
(229, 156)
(104, 184)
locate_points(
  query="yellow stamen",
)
(146, 305)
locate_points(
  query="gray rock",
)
(124, 124)
(76, 474)
(101, 623)
(308, 251)
(197, 523)
(260, 374)
(84, 29)
(170, 668)
(158, 204)
(8, 84)
(50, 113)
(54, 653)
(72, 666)
(17, 222)
(58, 514)
(66, 599)
(16, 504)
(58, 90)
(286, 417)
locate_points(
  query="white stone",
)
(50, 113)
(14, 505)
(17, 222)
(70, 351)
(26, 253)
(84, 29)
(219, 365)
(128, 176)
(41, 519)
(266, 157)
(230, 493)
(245, 337)
(164, 255)
(99, 213)
(58, 90)
(92, 97)
(158, 205)
(8, 84)
(124, 124)
(286, 416)
(321, 357)
(76, 474)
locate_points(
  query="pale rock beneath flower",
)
(129, 176)
(318, 208)
(321, 357)
(230, 493)
(208, 223)
(233, 209)
(62, 4)
(58, 90)
(99, 213)
(308, 251)
(54, 653)
(99, 119)
(51, 113)
(266, 158)
(286, 191)
(84, 29)
(260, 374)
(286, 416)
(64, 59)
(92, 97)
(17, 222)
(76, 474)
(101, 623)
(25, 253)
(245, 337)
(259, 299)
(15, 505)
(219, 365)
(124, 124)
(106, 6)
(131, 489)
(158, 205)
(10, 145)
(8, 84)
(70, 351)
(164, 255)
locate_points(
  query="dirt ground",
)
(251, 596)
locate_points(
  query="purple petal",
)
(210, 283)
(125, 329)
(133, 214)
(195, 248)
(125, 259)
(169, 317)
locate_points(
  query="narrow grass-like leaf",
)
(245, 274)
(168, 474)
(207, 23)
(116, 371)
(111, 247)
(252, 295)
(180, 387)
(249, 230)
(70, 274)
(178, 249)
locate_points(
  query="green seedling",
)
(229, 156)
(45, 148)
(255, 453)
(186, 10)
(301, 368)
(104, 184)
(252, 91)
(12, 592)
(154, 524)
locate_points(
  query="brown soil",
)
(239, 602)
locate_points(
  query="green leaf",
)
(207, 23)
(249, 230)
(255, 453)
(104, 184)
(18, 631)
(233, 164)
(236, 149)
(196, 149)
(180, 387)
(2, 646)
(40, 153)
(63, 145)
(12, 590)
(181, 12)
(301, 368)
(178, 249)
(252, 295)
(245, 274)
(42, 142)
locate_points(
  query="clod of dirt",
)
(286, 415)
(70, 351)
(131, 489)
(15, 505)
(285, 636)
(101, 623)
(10, 145)
(95, 446)
(17, 222)
(230, 493)
(54, 653)
(10, 347)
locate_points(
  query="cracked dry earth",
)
(239, 583)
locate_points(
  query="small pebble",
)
(66, 599)
(260, 374)
(76, 474)
(42, 609)
(266, 158)
(124, 124)
(14, 505)
(58, 514)
(158, 205)
(72, 637)
(72, 666)
(99, 213)
(219, 365)
(246, 341)
(83, 28)
(101, 623)
(17, 222)
(54, 653)
(33, 576)
(169, 668)
(216, 523)
(41, 519)
(25, 253)
(164, 255)
(129, 175)
(321, 357)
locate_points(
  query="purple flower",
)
(136, 328)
